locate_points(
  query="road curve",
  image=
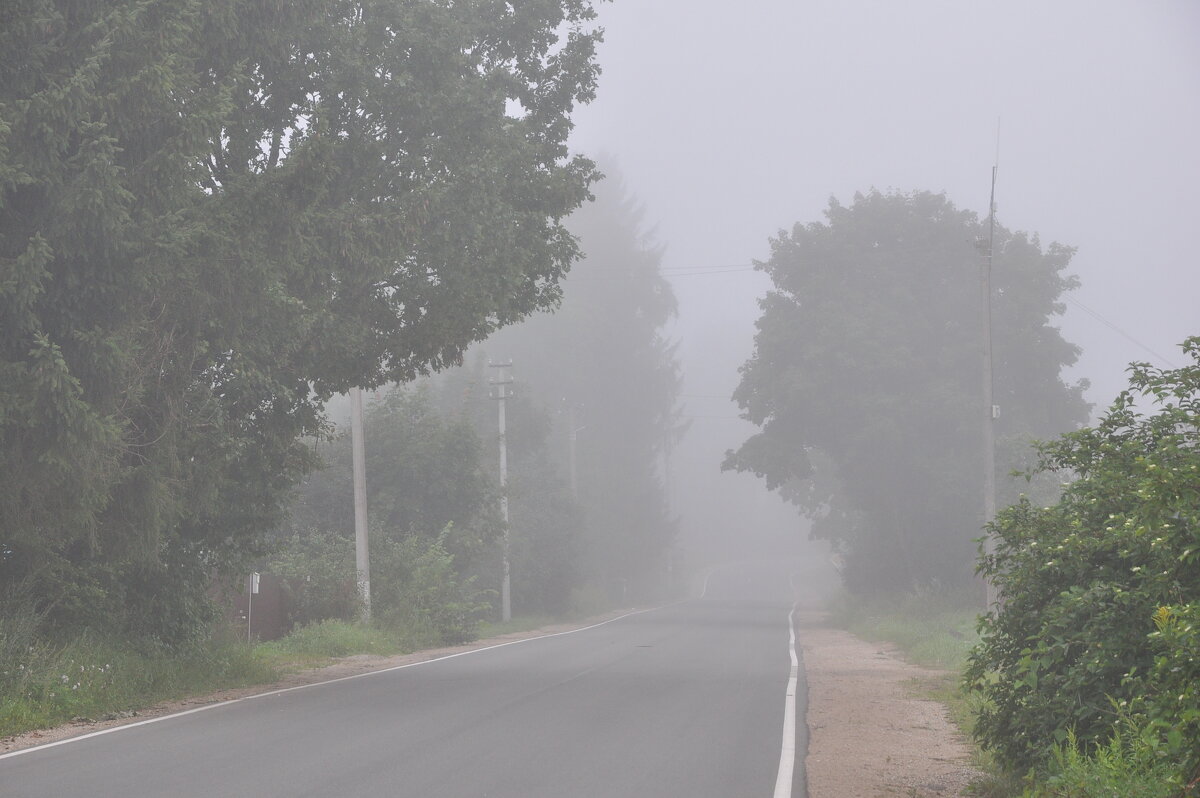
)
(685, 700)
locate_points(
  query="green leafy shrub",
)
(1100, 591)
(317, 568)
(415, 587)
(1171, 704)
(1122, 768)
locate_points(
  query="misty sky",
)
(733, 120)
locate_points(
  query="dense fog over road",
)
(644, 347)
(731, 124)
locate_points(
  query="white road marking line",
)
(207, 707)
(787, 753)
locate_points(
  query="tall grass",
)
(935, 629)
(43, 684)
(320, 642)
(93, 679)
(1123, 768)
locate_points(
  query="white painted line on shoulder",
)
(256, 696)
(787, 752)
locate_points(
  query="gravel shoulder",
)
(871, 734)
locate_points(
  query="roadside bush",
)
(1099, 593)
(1171, 703)
(317, 568)
(1123, 768)
(416, 589)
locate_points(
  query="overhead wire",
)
(1113, 326)
(700, 271)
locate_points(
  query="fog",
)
(730, 122)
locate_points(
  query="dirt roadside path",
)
(871, 734)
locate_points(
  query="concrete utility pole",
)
(362, 556)
(502, 382)
(572, 436)
(991, 410)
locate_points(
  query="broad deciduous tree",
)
(865, 379)
(216, 213)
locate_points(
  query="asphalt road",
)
(685, 700)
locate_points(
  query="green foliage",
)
(1171, 704)
(426, 470)
(547, 525)
(96, 678)
(934, 629)
(433, 519)
(317, 569)
(327, 639)
(518, 624)
(865, 380)
(19, 626)
(1122, 768)
(1100, 591)
(215, 215)
(415, 587)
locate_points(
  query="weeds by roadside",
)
(933, 629)
(522, 623)
(42, 685)
(96, 679)
(322, 641)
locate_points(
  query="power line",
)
(703, 271)
(723, 269)
(1112, 326)
(692, 266)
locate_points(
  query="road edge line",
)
(787, 752)
(282, 690)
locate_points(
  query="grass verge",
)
(93, 679)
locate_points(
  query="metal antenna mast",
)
(991, 410)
